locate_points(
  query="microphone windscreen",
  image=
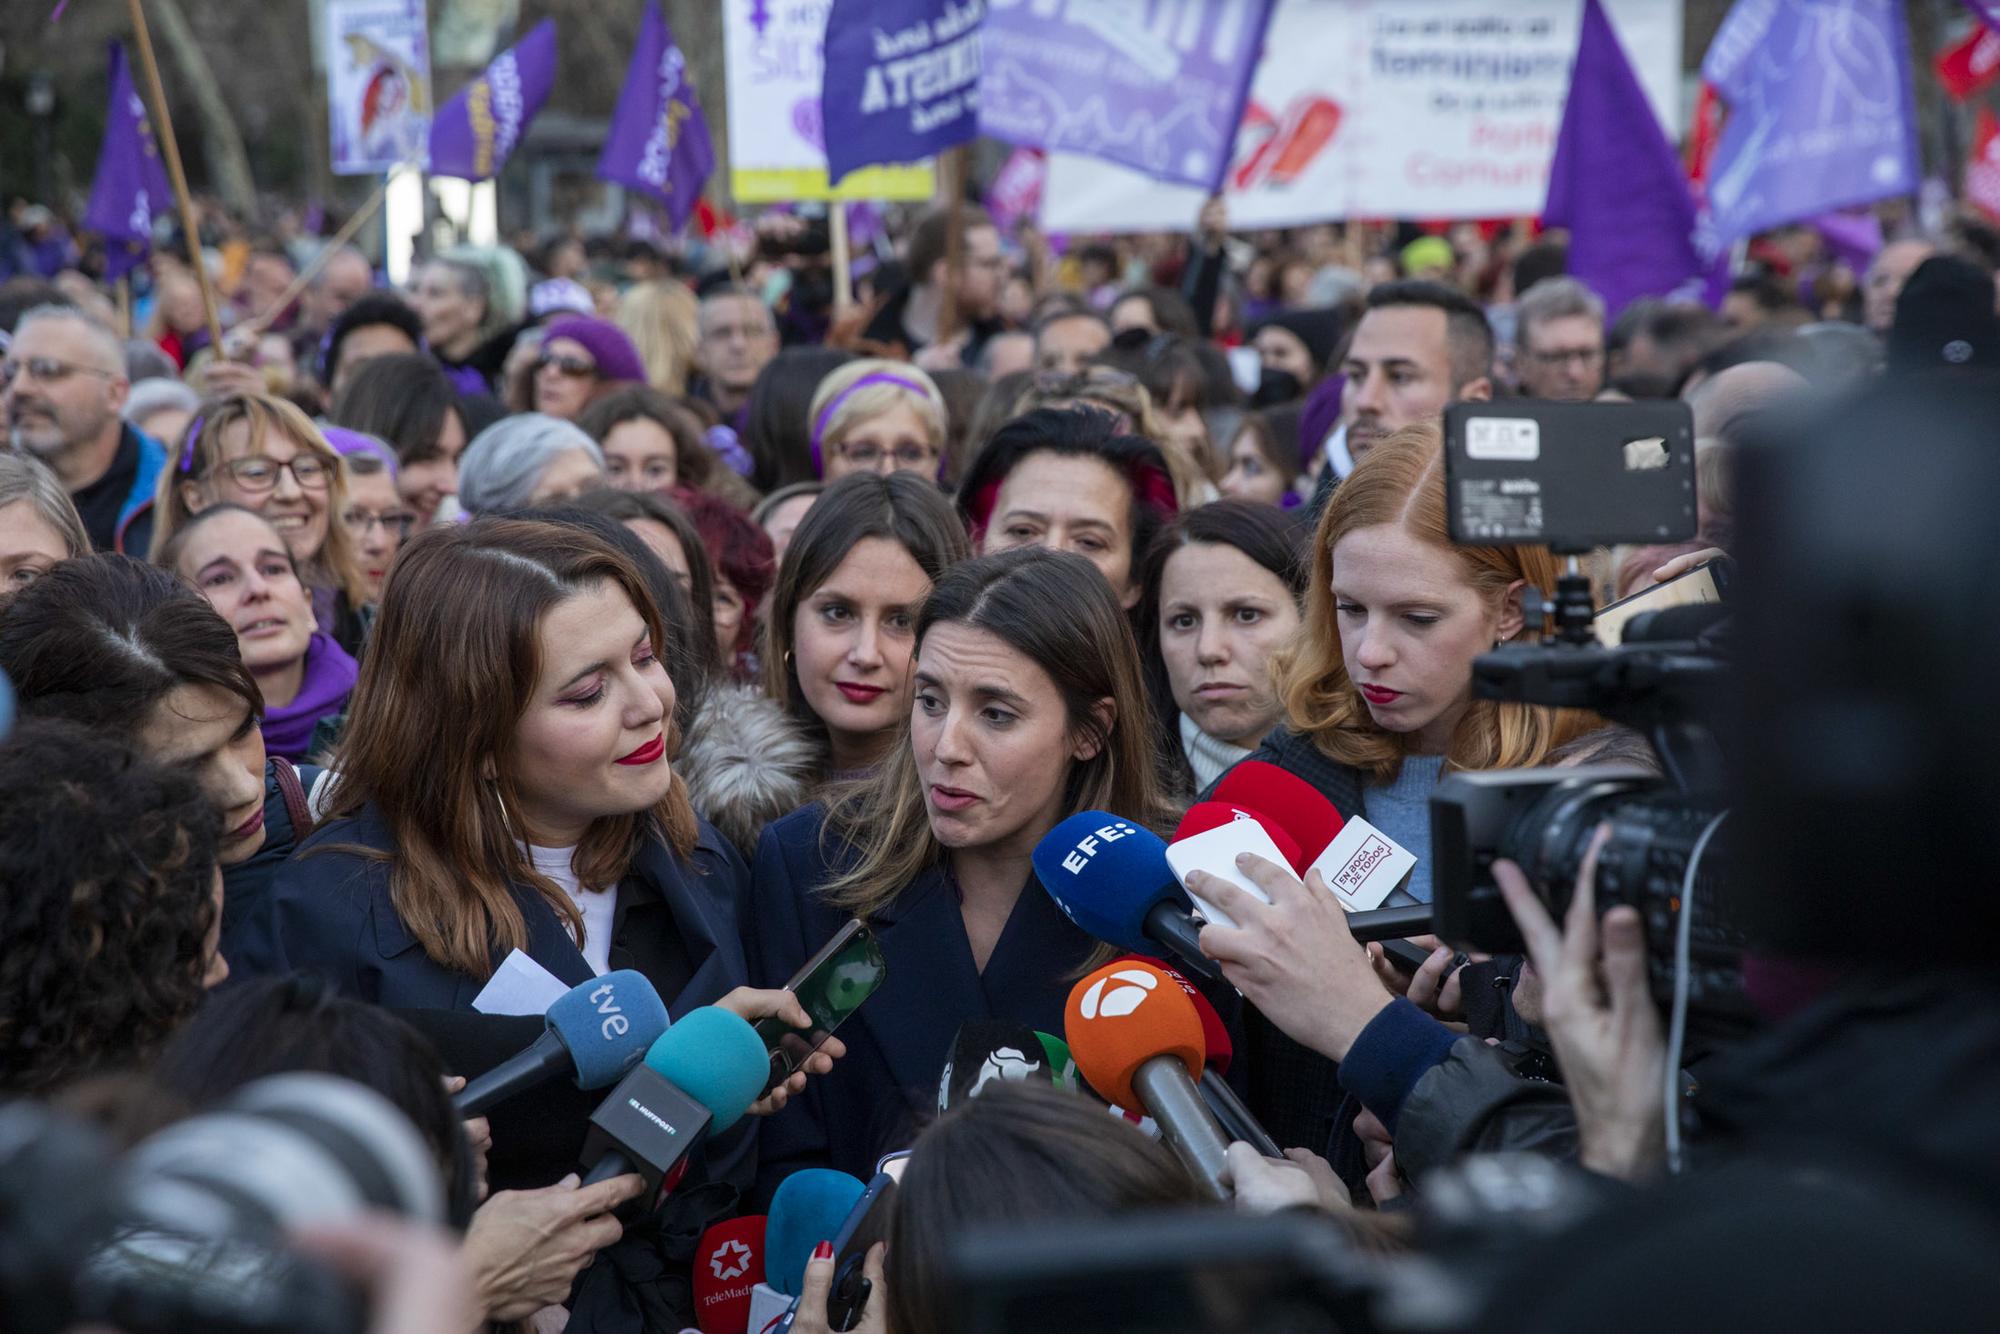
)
(608, 1023)
(1122, 1016)
(1206, 815)
(808, 1208)
(987, 1051)
(728, 1263)
(1214, 1035)
(1062, 1066)
(715, 1058)
(1106, 873)
(1287, 800)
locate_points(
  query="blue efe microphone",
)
(697, 1079)
(596, 1032)
(1111, 877)
(808, 1208)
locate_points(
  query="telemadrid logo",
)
(1119, 994)
(731, 1260)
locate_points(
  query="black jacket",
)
(246, 886)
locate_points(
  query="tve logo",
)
(1087, 847)
(1118, 994)
(615, 1024)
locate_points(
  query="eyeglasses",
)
(1561, 356)
(49, 370)
(571, 366)
(1078, 384)
(868, 454)
(396, 523)
(258, 473)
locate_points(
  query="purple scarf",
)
(323, 690)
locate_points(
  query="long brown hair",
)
(1055, 608)
(1401, 481)
(450, 669)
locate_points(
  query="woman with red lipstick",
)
(129, 650)
(840, 633)
(1377, 689)
(1029, 706)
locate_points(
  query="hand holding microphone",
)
(526, 1247)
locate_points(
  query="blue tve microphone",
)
(697, 1079)
(1111, 878)
(808, 1208)
(595, 1033)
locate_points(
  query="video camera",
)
(1574, 477)
(188, 1231)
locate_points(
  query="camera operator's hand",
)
(416, 1279)
(527, 1246)
(753, 1003)
(1300, 1179)
(1600, 1018)
(1293, 958)
(818, 1286)
(1378, 1150)
(1433, 988)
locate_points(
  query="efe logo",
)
(1127, 991)
(1088, 845)
(731, 1260)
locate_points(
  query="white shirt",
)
(596, 905)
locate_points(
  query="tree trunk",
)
(228, 163)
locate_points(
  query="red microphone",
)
(1206, 815)
(1236, 1120)
(1287, 801)
(728, 1263)
(1215, 1038)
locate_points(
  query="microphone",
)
(1137, 1040)
(987, 1051)
(1359, 863)
(1236, 1120)
(1110, 877)
(1287, 802)
(595, 1033)
(728, 1264)
(698, 1077)
(1206, 815)
(1390, 923)
(808, 1207)
(1062, 1066)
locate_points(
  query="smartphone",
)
(892, 1165)
(867, 1223)
(831, 987)
(1704, 583)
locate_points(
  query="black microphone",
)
(987, 1051)
(1236, 1120)
(595, 1032)
(1390, 923)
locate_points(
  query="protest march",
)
(957, 666)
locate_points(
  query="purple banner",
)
(659, 142)
(1157, 85)
(473, 134)
(902, 80)
(130, 186)
(1821, 112)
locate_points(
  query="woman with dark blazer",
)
(1028, 708)
(504, 783)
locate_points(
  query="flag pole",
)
(954, 244)
(329, 250)
(843, 277)
(125, 303)
(163, 126)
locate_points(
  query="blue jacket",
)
(885, 1089)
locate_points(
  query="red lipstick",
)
(647, 753)
(856, 693)
(1380, 695)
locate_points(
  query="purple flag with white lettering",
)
(1157, 85)
(473, 134)
(1821, 111)
(659, 142)
(130, 186)
(1616, 181)
(902, 80)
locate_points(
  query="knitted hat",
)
(346, 441)
(607, 344)
(1945, 317)
(1320, 330)
(546, 298)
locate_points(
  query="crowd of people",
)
(638, 611)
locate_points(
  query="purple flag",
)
(473, 134)
(1616, 181)
(130, 186)
(902, 80)
(1157, 85)
(1988, 12)
(1821, 111)
(659, 142)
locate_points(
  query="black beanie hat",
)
(1320, 330)
(1945, 317)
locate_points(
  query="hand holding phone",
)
(831, 986)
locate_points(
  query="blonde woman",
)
(659, 316)
(39, 526)
(874, 415)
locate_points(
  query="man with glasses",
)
(1561, 341)
(735, 338)
(62, 384)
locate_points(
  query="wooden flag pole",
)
(163, 126)
(954, 242)
(125, 303)
(843, 277)
(328, 251)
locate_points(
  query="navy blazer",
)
(886, 1087)
(330, 912)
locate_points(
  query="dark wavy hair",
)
(401, 398)
(778, 433)
(109, 866)
(1073, 433)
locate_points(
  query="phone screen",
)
(831, 986)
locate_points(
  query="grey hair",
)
(500, 468)
(157, 394)
(25, 478)
(108, 342)
(1557, 298)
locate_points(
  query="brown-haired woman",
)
(1377, 687)
(1029, 707)
(505, 784)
